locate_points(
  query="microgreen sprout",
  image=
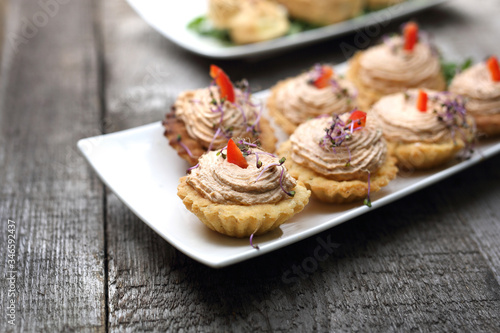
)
(251, 243)
(192, 168)
(367, 200)
(242, 103)
(179, 140)
(453, 115)
(337, 133)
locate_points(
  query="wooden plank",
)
(49, 100)
(428, 262)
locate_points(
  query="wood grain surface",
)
(49, 100)
(428, 262)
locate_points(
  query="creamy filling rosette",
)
(361, 153)
(388, 68)
(482, 93)
(300, 100)
(264, 181)
(400, 120)
(212, 120)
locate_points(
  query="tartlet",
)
(323, 12)
(480, 84)
(340, 159)
(398, 64)
(240, 199)
(202, 120)
(317, 92)
(249, 21)
(423, 129)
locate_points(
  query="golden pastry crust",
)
(258, 21)
(238, 220)
(323, 12)
(421, 156)
(275, 111)
(333, 191)
(175, 127)
(221, 12)
(487, 125)
(367, 96)
(378, 4)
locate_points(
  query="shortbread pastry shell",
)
(487, 125)
(421, 156)
(239, 220)
(332, 191)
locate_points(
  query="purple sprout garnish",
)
(214, 138)
(179, 140)
(265, 168)
(251, 243)
(192, 168)
(348, 163)
(220, 152)
(242, 100)
(258, 163)
(337, 133)
(291, 193)
(255, 127)
(279, 164)
(368, 201)
(249, 144)
(453, 115)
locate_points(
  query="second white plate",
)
(171, 18)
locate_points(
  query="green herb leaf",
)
(202, 26)
(450, 69)
(297, 26)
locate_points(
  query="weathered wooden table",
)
(84, 262)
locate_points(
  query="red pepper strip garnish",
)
(494, 69)
(324, 80)
(222, 80)
(235, 156)
(411, 35)
(359, 118)
(422, 101)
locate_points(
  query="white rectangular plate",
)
(171, 18)
(140, 167)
